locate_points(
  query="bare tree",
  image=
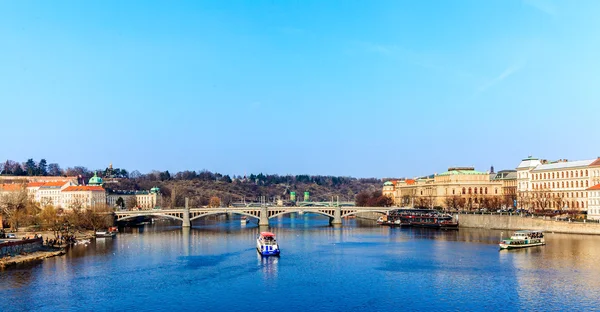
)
(131, 202)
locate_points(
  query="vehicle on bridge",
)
(266, 244)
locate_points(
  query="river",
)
(357, 267)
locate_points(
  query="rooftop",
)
(461, 170)
(83, 188)
(564, 165)
(594, 188)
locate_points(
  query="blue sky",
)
(358, 88)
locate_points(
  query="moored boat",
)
(244, 220)
(109, 233)
(266, 244)
(523, 239)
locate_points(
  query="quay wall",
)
(516, 222)
(16, 247)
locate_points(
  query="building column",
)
(264, 216)
(186, 214)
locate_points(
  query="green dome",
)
(154, 190)
(95, 180)
(388, 183)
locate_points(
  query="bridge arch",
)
(222, 212)
(148, 215)
(292, 211)
(353, 213)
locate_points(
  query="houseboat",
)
(523, 239)
(266, 244)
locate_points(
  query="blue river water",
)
(356, 267)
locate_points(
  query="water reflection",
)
(268, 265)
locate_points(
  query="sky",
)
(346, 88)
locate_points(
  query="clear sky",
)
(356, 88)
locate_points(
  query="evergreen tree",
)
(42, 168)
(18, 170)
(30, 167)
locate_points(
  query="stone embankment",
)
(514, 223)
(517, 222)
(35, 256)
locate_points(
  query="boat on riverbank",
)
(266, 244)
(427, 218)
(109, 233)
(523, 239)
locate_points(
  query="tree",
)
(14, 207)
(131, 202)
(135, 174)
(54, 170)
(120, 202)
(214, 202)
(18, 170)
(42, 168)
(30, 167)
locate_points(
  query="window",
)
(464, 192)
(486, 190)
(496, 190)
(470, 192)
(552, 175)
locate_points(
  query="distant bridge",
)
(263, 214)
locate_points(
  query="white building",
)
(558, 185)
(594, 202)
(83, 197)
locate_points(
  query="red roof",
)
(410, 181)
(595, 163)
(55, 183)
(83, 188)
(267, 234)
(594, 188)
(11, 187)
(35, 184)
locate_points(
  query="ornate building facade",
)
(457, 188)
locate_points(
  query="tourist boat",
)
(244, 220)
(428, 218)
(523, 239)
(266, 244)
(432, 220)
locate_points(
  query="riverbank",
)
(517, 222)
(48, 252)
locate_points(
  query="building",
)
(457, 188)
(83, 197)
(594, 202)
(509, 185)
(141, 199)
(49, 193)
(556, 185)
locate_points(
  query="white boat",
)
(523, 239)
(244, 220)
(266, 244)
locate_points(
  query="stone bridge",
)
(186, 215)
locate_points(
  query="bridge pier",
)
(337, 216)
(186, 214)
(264, 217)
